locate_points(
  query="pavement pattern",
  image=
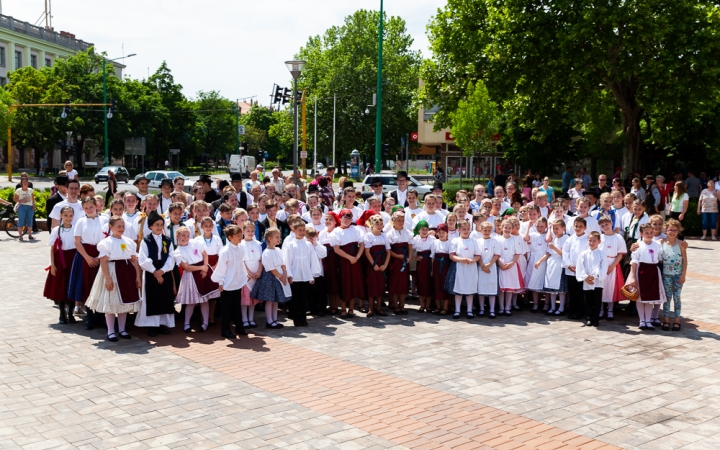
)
(415, 381)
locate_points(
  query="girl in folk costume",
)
(413, 209)
(522, 260)
(318, 293)
(252, 257)
(613, 245)
(116, 290)
(157, 311)
(464, 274)
(331, 263)
(487, 268)
(631, 230)
(173, 221)
(200, 210)
(536, 268)
(62, 254)
(196, 287)
(131, 216)
(401, 254)
(510, 279)
(88, 233)
(422, 244)
(231, 277)
(349, 247)
(440, 255)
(675, 263)
(364, 227)
(212, 245)
(477, 222)
(555, 284)
(451, 220)
(377, 252)
(272, 287)
(117, 207)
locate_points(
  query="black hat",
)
(313, 188)
(61, 180)
(223, 184)
(236, 177)
(402, 173)
(437, 185)
(649, 177)
(594, 192)
(347, 184)
(165, 181)
(153, 217)
(205, 178)
(139, 179)
(374, 180)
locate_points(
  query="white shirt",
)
(146, 263)
(439, 246)
(612, 245)
(116, 249)
(90, 230)
(591, 224)
(370, 240)
(189, 254)
(591, 262)
(433, 220)
(301, 261)
(132, 225)
(401, 197)
(342, 236)
(67, 237)
(171, 230)
(72, 175)
(164, 204)
(211, 248)
(230, 270)
(420, 245)
(571, 251)
(647, 253)
(356, 212)
(76, 206)
(398, 237)
(630, 228)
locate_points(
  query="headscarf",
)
(365, 216)
(397, 214)
(335, 217)
(442, 227)
(374, 219)
(508, 212)
(344, 212)
(420, 225)
(397, 208)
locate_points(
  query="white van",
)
(241, 164)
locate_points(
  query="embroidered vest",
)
(153, 251)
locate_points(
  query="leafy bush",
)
(693, 223)
(40, 200)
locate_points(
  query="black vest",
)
(153, 251)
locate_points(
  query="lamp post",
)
(295, 68)
(378, 111)
(105, 113)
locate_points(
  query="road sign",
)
(402, 142)
(135, 146)
(266, 155)
(303, 154)
(414, 136)
(241, 129)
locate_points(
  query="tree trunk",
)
(625, 92)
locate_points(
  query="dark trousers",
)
(230, 305)
(299, 303)
(593, 303)
(317, 301)
(575, 297)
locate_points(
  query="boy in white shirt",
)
(231, 276)
(302, 266)
(571, 250)
(591, 270)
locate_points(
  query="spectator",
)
(618, 186)
(575, 193)
(703, 179)
(679, 203)
(500, 179)
(25, 198)
(549, 190)
(602, 186)
(666, 190)
(637, 189)
(693, 186)
(587, 179)
(652, 196)
(708, 210)
(567, 179)
(70, 172)
(277, 180)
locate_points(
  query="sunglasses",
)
(377, 185)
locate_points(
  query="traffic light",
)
(243, 148)
(66, 110)
(112, 109)
(385, 151)
(277, 94)
(286, 96)
(402, 154)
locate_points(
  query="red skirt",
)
(399, 271)
(212, 262)
(205, 285)
(88, 273)
(648, 278)
(375, 279)
(353, 283)
(424, 275)
(56, 287)
(126, 276)
(332, 277)
(441, 265)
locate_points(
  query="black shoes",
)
(228, 334)
(125, 335)
(112, 337)
(63, 317)
(152, 331)
(162, 329)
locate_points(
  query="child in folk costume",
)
(477, 221)
(377, 252)
(401, 254)
(440, 255)
(303, 266)
(331, 264)
(464, 274)
(490, 252)
(422, 244)
(252, 257)
(318, 294)
(272, 287)
(230, 275)
(132, 216)
(62, 254)
(554, 283)
(646, 277)
(537, 266)
(511, 279)
(116, 290)
(157, 311)
(117, 207)
(571, 251)
(212, 244)
(592, 268)
(88, 233)
(196, 287)
(522, 260)
(151, 204)
(349, 247)
(364, 227)
(675, 264)
(173, 221)
(613, 245)
(451, 220)
(200, 210)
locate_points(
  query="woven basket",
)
(630, 293)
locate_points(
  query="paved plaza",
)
(417, 381)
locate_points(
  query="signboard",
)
(448, 136)
(241, 129)
(135, 146)
(355, 172)
(174, 151)
(303, 154)
(266, 155)
(91, 164)
(414, 136)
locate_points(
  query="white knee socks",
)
(561, 307)
(458, 302)
(271, 312)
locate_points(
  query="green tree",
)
(215, 124)
(547, 63)
(343, 61)
(282, 131)
(476, 121)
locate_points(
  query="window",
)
(2, 56)
(3, 81)
(48, 62)
(33, 61)
(18, 59)
(429, 113)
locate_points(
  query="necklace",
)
(65, 230)
(208, 241)
(131, 215)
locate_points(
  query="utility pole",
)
(334, 104)
(237, 127)
(378, 112)
(314, 169)
(304, 134)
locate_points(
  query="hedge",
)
(40, 200)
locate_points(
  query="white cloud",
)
(237, 47)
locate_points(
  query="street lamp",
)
(378, 115)
(295, 68)
(106, 116)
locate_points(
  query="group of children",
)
(136, 258)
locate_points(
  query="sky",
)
(236, 47)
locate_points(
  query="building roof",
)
(63, 39)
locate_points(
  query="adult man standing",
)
(567, 179)
(73, 190)
(602, 186)
(60, 196)
(236, 182)
(278, 181)
(652, 196)
(376, 185)
(210, 194)
(692, 183)
(253, 179)
(400, 194)
(500, 179)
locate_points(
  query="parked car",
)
(156, 176)
(389, 181)
(241, 164)
(121, 174)
(320, 166)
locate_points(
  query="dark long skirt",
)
(399, 271)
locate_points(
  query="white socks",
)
(248, 313)
(271, 312)
(204, 310)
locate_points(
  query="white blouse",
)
(90, 230)
(433, 220)
(612, 245)
(420, 245)
(272, 259)
(342, 236)
(301, 261)
(67, 237)
(116, 249)
(132, 225)
(146, 263)
(188, 254)
(439, 246)
(464, 248)
(398, 237)
(212, 248)
(647, 253)
(371, 240)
